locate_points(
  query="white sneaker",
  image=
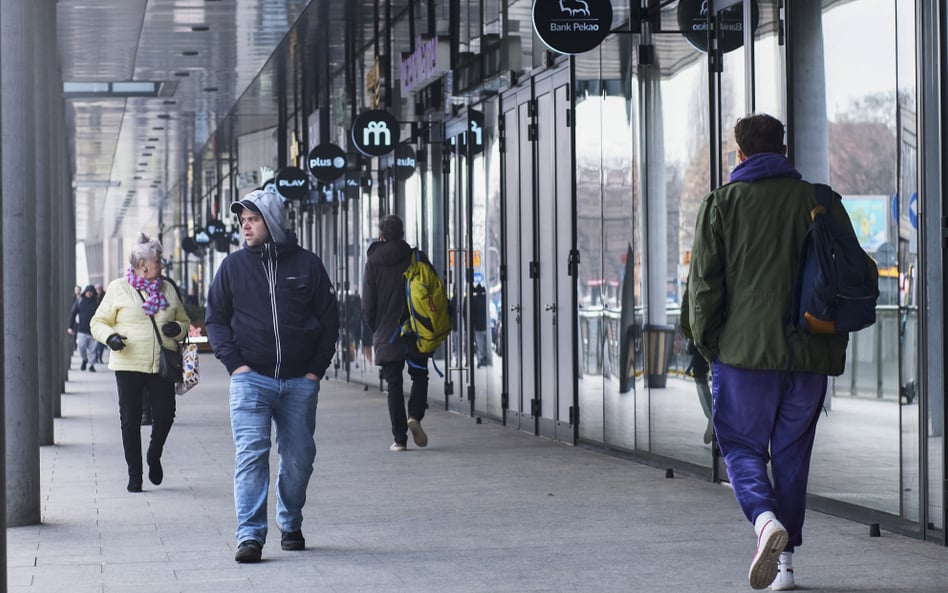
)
(784, 580)
(772, 538)
(417, 432)
(397, 447)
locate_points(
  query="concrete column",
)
(47, 340)
(654, 195)
(808, 130)
(3, 452)
(19, 262)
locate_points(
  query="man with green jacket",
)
(768, 381)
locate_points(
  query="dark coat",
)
(273, 308)
(384, 308)
(82, 311)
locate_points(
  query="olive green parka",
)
(744, 265)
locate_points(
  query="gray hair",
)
(143, 250)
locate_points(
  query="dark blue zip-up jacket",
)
(273, 308)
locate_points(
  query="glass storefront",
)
(559, 202)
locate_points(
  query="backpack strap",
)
(824, 197)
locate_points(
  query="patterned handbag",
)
(192, 372)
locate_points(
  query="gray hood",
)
(270, 206)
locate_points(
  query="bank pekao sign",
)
(572, 26)
(430, 60)
(375, 133)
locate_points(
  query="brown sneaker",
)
(417, 432)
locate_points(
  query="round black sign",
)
(474, 138)
(189, 245)
(404, 162)
(375, 133)
(292, 183)
(572, 26)
(215, 227)
(693, 22)
(327, 162)
(202, 238)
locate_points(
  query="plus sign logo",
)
(375, 133)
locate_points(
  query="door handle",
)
(550, 307)
(515, 308)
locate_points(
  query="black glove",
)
(171, 329)
(115, 342)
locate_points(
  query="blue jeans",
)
(256, 402)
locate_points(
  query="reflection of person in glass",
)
(768, 383)
(698, 368)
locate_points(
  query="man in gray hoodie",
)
(273, 321)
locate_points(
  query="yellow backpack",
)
(429, 321)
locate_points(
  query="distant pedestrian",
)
(384, 309)
(79, 317)
(768, 383)
(273, 320)
(126, 321)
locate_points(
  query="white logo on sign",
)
(292, 183)
(478, 133)
(574, 7)
(339, 162)
(376, 130)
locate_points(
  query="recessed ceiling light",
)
(189, 52)
(146, 154)
(182, 74)
(198, 28)
(210, 89)
(163, 116)
(169, 102)
(149, 148)
(154, 139)
(142, 164)
(137, 178)
(158, 128)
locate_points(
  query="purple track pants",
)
(761, 416)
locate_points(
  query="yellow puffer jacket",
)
(120, 312)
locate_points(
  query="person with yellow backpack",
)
(405, 306)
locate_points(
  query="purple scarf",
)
(764, 165)
(156, 299)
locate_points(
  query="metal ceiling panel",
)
(208, 52)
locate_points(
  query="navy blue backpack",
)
(838, 283)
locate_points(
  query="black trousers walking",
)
(132, 386)
(417, 402)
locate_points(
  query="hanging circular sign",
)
(202, 238)
(375, 133)
(292, 183)
(572, 26)
(693, 23)
(405, 162)
(327, 162)
(474, 138)
(189, 245)
(268, 185)
(214, 228)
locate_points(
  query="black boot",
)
(155, 471)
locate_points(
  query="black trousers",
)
(417, 402)
(132, 386)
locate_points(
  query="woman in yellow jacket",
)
(123, 322)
